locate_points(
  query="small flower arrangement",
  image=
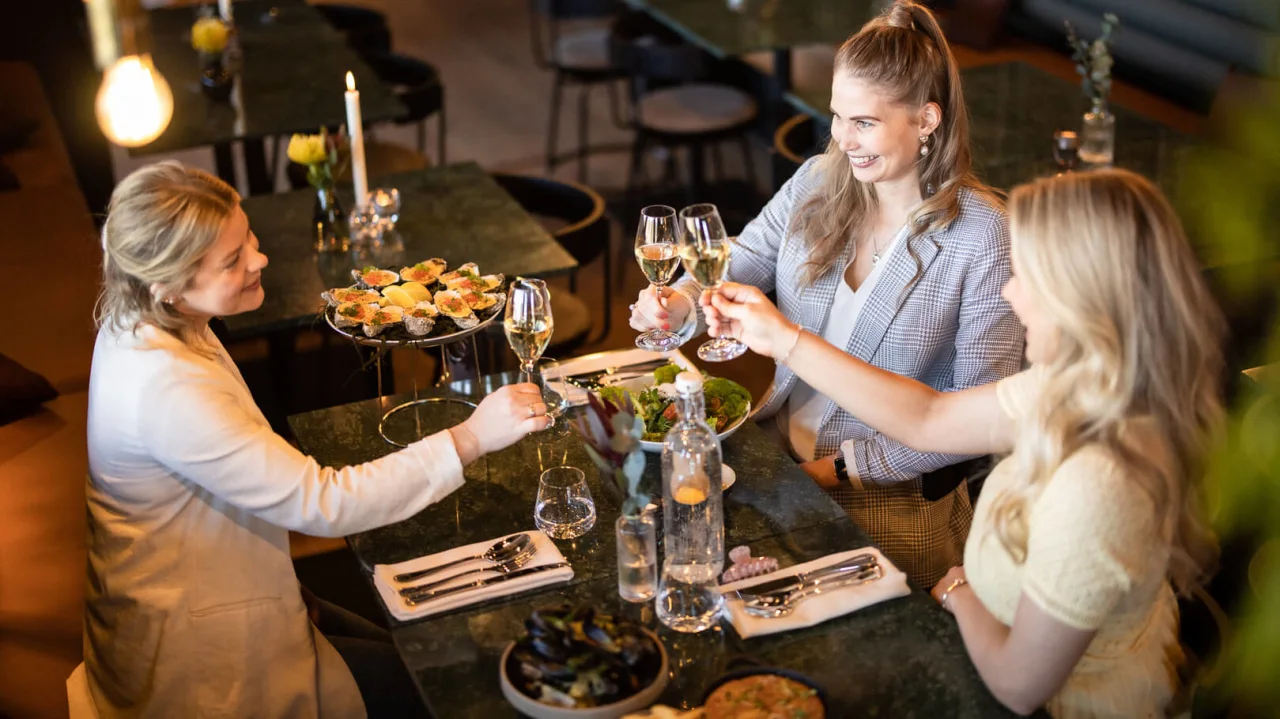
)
(611, 430)
(209, 35)
(320, 153)
(1093, 59)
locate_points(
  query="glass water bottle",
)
(693, 516)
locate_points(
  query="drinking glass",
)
(658, 255)
(637, 537)
(386, 207)
(564, 508)
(555, 391)
(528, 324)
(704, 250)
(1066, 150)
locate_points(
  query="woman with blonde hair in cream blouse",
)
(193, 608)
(1065, 597)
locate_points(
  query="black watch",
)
(842, 469)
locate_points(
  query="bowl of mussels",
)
(578, 663)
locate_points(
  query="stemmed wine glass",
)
(704, 250)
(528, 324)
(659, 257)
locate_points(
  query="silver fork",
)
(770, 606)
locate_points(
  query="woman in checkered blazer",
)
(886, 245)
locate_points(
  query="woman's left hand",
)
(952, 575)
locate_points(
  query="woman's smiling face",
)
(879, 135)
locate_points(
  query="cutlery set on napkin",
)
(469, 574)
(811, 593)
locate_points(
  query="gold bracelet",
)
(795, 341)
(946, 593)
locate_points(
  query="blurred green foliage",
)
(1236, 216)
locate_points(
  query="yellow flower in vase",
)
(308, 149)
(209, 35)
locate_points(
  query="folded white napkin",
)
(389, 590)
(603, 360)
(818, 608)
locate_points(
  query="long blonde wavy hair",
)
(1104, 256)
(904, 53)
(162, 220)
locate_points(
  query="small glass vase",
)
(1098, 136)
(331, 231)
(637, 537)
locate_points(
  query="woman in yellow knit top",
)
(1066, 595)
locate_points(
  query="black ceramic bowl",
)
(751, 671)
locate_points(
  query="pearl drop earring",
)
(924, 145)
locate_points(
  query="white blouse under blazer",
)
(192, 605)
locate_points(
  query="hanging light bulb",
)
(134, 104)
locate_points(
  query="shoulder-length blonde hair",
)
(905, 54)
(161, 221)
(1104, 256)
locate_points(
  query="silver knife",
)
(601, 373)
(426, 596)
(852, 565)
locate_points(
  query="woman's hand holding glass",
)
(660, 308)
(657, 254)
(744, 313)
(502, 419)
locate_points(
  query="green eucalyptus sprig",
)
(1093, 59)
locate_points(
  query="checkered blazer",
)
(951, 330)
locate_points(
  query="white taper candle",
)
(224, 9)
(359, 176)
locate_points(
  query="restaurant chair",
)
(366, 31)
(673, 105)
(417, 84)
(584, 234)
(576, 55)
(796, 140)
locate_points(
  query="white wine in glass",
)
(704, 249)
(528, 324)
(659, 258)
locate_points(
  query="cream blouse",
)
(1097, 557)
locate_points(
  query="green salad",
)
(726, 400)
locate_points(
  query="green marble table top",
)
(292, 77)
(722, 30)
(900, 658)
(1014, 109)
(456, 212)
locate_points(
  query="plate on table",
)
(728, 403)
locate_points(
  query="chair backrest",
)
(586, 232)
(416, 83)
(797, 139)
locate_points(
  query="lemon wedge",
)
(416, 291)
(399, 296)
(690, 495)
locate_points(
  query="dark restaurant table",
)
(456, 212)
(900, 658)
(1014, 109)
(292, 79)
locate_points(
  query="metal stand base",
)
(382, 424)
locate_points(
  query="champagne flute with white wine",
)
(704, 249)
(528, 324)
(659, 258)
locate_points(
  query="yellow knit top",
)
(1097, 557)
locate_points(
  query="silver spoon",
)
(771, 606)
(509, 564)
(501, 551)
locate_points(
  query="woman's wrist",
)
(953, 592)
(791, 338)
(466, 443)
